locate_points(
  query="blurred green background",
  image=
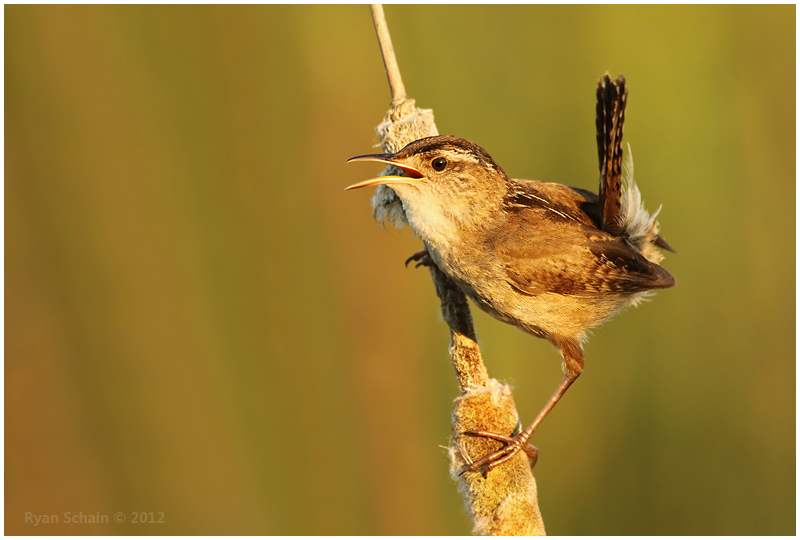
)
(200, 322)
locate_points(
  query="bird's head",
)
(442, 177)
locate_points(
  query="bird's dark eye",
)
(439, 163)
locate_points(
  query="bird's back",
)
(553, 269)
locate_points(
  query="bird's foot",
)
(511, 446)
(423, 258)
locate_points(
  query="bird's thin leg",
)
(573, 366)
(520, 441)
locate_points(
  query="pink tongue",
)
(411, 173)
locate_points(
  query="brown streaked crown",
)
(449, 144)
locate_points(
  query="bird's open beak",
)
(411, 176)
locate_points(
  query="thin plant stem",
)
(387, 51)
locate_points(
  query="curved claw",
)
(423, 258)
(512, 445)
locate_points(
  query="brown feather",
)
(532, 243)
(611, 100)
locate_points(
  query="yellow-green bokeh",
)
(200, 322)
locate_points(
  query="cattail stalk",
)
(506, 501)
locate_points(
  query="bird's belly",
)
(543, 315)
(547, 314)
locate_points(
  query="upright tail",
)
(612, 97)
(620, 202)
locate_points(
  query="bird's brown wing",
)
(551, 243)
(612, 97)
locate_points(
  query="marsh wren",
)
(549, 259)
